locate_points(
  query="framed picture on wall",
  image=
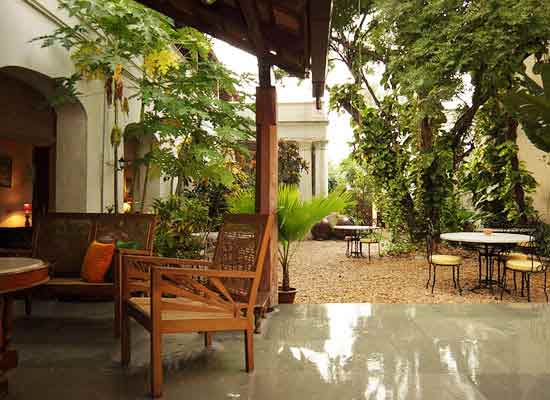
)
(5, 171)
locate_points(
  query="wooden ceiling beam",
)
(226, 23)
(253, 21)
(319, 25)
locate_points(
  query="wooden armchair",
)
(194, 295)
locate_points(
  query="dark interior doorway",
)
(42, 174)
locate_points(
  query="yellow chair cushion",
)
(516, 256)
(524, 265)
(97, 261)
(441, 259)
(369, 240)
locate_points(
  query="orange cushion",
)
(97, 261)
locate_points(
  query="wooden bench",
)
(62, 239)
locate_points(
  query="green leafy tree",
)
(498, 182)
(531, 105)
(353, 177)
(132, 49)
(295, 217)
(105, 43)
(291, 164)
(409, 61)
(180, 224)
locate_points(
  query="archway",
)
(42, 148)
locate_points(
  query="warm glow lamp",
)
(27, 208)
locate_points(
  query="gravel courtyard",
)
(323, 274)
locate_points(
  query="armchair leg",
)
(117, 322)
(28, 304)
(208, 339)
(125, 351)
(156, 363)
(249, 349)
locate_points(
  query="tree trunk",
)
(115, 179)
(519, 193)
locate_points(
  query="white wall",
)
(85, 162)
(537, 164)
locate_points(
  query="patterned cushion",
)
(440, 259)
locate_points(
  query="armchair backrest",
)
(242, 243)
(240, 252)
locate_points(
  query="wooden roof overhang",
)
(291, 34)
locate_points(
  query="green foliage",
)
(291, 164)
(493, 174)
(431, 54)
(179, 219)
(531, 104)
(295, 217)
(201, 132)
(139, 54)
(352, 177)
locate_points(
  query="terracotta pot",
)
(287, 297)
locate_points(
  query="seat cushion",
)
(75, 289)
(516, 256)
(524, 265)
(144, 305)
(76, 282)
(441, 259)
(369, 240)
(97, 261)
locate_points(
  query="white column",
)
(321, 168)
(305, 181)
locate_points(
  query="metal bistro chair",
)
(441, 260)
(196, 295)
(534, 259)
(372, 237)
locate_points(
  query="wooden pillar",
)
(266, 170)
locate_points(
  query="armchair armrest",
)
(208, 273)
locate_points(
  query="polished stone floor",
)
(333, 351)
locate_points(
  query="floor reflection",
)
(332, 351)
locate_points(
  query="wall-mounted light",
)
(122, 163)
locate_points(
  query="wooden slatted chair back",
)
(240, 253)
(238, 249)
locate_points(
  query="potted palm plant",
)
(295, 218)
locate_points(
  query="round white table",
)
(355, 230)
(16, 273)
(494, 239)
(488, 246)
